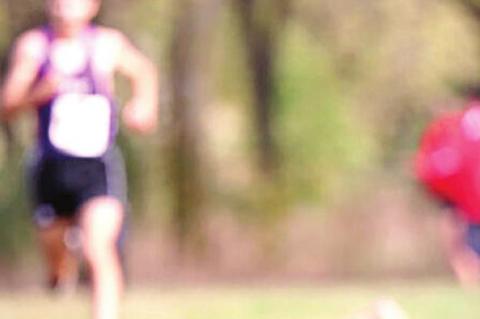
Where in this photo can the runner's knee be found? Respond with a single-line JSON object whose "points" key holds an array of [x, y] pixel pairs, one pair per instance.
{"points": [[101, 221]]}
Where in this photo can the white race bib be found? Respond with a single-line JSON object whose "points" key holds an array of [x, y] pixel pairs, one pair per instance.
{"points": [[80, 124]]}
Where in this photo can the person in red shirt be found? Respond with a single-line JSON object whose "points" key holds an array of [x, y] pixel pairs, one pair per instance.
{"points": [[448, 165]]}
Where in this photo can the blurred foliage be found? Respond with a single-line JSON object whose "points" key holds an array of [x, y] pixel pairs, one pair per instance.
{"points": [[352, 84], [312, 104]]}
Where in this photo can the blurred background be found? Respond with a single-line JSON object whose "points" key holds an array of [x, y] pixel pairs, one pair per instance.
{"points": [[287, 130]]}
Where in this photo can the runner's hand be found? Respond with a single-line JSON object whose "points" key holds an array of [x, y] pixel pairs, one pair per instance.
{"points": [[140, 118]]}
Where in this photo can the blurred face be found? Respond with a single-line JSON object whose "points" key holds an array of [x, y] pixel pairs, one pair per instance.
{"points": [[72, 12]]}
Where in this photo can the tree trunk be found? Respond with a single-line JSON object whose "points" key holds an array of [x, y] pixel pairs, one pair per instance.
{"points": [[262, 23], [189, 62]]}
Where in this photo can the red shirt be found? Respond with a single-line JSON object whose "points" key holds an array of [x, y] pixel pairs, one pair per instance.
{"points": [[448, 159]]}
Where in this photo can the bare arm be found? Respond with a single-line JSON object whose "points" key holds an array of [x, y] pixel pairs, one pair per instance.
{"points": [[140, 113], [17, 93]]}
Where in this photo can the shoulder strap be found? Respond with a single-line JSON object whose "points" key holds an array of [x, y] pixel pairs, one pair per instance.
{"points": [[48, 33], [89, 38]]}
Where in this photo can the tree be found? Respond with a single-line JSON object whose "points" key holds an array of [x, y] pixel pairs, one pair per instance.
{"points": [[262, 22], [189, 55]]}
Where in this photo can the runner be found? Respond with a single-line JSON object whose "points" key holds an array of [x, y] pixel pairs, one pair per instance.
{"points": [[448, 164], [64, 71]]}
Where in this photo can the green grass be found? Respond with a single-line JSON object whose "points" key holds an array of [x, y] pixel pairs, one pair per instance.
{"points": [[420, 301]]}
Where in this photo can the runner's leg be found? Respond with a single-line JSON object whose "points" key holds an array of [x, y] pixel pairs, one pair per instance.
{"points": [[100, 221], [61, 263], [462, 258]]}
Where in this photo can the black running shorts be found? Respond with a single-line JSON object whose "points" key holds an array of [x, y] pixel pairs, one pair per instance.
{"points": [[67, 183], [58, 187]]}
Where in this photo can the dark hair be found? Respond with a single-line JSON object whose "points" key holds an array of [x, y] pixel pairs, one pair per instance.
{"points": [[472, 91], [467, 89]]}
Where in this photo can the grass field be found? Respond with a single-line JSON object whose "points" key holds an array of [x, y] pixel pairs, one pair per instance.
{"points": [[420, 301]]}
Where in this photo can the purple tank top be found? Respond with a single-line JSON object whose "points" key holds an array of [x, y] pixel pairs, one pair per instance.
{"points": [[81, 119]]}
